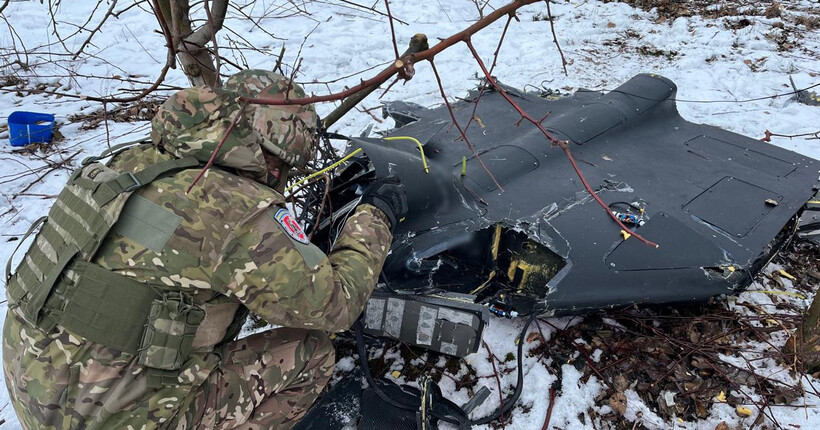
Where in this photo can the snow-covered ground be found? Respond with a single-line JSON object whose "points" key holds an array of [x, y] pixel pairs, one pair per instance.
{"points": [[716, 63]]}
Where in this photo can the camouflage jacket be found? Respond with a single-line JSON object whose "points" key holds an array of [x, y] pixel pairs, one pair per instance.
{"points": [[228, 249]]}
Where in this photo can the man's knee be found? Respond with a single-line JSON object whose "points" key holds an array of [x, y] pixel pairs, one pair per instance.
{"points": [[322, 355], [298, 354]]}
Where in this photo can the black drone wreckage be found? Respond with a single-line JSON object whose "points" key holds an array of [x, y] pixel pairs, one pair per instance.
{"points": [[526, 239]]}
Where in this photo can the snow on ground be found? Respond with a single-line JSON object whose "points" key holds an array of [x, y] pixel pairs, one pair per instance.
{"points": [[605, 44]]}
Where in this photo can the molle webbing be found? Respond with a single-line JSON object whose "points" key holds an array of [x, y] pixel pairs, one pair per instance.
{"points": [[100, 305], [55, 284]]}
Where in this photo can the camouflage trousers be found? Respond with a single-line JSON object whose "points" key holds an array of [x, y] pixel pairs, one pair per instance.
{"points": [[266, 381]]}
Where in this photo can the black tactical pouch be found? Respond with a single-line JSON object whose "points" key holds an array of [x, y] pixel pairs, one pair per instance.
{"points": [[169, 333]]}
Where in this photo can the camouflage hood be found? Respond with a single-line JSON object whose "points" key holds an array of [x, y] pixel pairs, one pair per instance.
{"points": [[194, 120]]}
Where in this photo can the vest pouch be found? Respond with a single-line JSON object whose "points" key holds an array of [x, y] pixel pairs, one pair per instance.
{"points": [[169, 333]]}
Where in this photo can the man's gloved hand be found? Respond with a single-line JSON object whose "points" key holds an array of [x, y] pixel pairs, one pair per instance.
{"points": [[389, 196]]}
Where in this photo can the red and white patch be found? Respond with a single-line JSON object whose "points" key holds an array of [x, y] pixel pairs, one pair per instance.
{"points": [[290, 225]]}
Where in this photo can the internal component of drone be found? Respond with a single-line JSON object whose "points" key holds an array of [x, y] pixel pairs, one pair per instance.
{"points": [[448, 323], [500, 310], [629, 218], [632, 214]]}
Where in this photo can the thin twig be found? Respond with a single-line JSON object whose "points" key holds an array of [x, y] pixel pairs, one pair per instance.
{"points": [[96, 29], [372, 9], [549, 410], [485, 85], [497, 381], [405, 61], [563, 144], [460, 130], [105, 120], [239, 114], [555, 38], [392, 30], [49, 170], [166, 31]]}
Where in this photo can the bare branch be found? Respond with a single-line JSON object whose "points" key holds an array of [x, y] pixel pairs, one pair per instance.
{"points": [[563, 144], [461, 130], [372, 9], [166, 31], [417, 43], [217, 14], [485, 85], [51, 8], [213, 30], [96, 29], [555, 38], [239, 114], [392, 30], [401, 65]]}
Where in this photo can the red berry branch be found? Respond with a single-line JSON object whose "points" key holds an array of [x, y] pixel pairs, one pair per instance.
{"points": [[563, 144]]}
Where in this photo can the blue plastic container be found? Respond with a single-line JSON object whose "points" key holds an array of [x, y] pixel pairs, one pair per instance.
{"points": [[30, 127]]}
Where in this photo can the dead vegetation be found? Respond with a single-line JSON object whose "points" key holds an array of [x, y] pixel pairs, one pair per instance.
{"points": [[673, 9], [679, 360], [785, 26], [142, 110]]}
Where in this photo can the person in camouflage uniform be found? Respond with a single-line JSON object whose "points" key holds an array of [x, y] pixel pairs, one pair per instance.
{"points": [[231, 245]]}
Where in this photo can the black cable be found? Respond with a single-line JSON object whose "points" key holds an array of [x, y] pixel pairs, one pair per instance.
{"points": [[519, 387], [501, 410], [360, 345], [632, 205]]}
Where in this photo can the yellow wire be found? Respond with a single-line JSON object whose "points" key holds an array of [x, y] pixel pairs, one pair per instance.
{"points": [[421, 148], [323, 171]]}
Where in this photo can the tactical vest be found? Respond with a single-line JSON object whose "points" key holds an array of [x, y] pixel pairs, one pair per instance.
{"points": [[57, 284]]}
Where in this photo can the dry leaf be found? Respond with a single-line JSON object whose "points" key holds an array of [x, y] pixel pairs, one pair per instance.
{"points": [[532, 337], [620, 382], [617, 402], [610, 24]]}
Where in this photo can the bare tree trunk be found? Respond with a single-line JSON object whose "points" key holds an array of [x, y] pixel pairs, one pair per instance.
{"points": [[806, 341], [189, 45]]}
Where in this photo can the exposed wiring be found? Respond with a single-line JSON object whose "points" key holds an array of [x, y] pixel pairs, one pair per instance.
{"points": [[325, 170], [421, 148], [594, 195], [501, 410]]}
